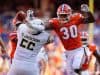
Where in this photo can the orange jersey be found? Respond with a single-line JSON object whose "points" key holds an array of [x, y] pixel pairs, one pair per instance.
{"points": [[92, 48], [13, 40], [68, 31]]}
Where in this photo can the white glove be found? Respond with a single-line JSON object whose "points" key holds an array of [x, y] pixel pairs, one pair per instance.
{"points": [[84, 8], [30, 15], [30, 12]]}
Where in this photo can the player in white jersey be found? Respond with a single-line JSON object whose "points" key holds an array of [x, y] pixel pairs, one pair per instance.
{"points": [[31, 37]]}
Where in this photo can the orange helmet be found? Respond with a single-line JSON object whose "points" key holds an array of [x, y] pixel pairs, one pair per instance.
{"points": [[64, 10]]}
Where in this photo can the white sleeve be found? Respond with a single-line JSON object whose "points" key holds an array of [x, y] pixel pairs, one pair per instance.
{"points": [[22, 27]]}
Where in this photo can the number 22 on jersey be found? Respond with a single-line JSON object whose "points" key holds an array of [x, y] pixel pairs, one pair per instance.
{"points": [[70, 32], [27, 44]]}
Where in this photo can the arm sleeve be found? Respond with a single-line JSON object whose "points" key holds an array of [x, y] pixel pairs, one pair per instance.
{"points": [[52, 24], [49, 25]]}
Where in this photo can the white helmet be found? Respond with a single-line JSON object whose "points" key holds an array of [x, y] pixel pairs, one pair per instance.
{"points": [[37, 25], [84, 37]]}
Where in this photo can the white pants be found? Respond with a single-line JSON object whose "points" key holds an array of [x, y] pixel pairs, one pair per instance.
{"points": [[19, 67], [74, 59]]}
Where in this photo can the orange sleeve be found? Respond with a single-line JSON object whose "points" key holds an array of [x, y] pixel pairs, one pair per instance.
{"points": [[92, 48], [77, 18]]}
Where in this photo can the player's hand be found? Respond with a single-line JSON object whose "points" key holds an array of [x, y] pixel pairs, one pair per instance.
{"points": [[84, 8], [30, 12], [30, 15]]}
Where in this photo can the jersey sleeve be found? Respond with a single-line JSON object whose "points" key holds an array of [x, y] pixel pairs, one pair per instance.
{"points": [[77, 18], [92, 47], [21, 28]]}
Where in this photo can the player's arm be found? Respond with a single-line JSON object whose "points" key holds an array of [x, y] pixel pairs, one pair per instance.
{"points": [[88, 17], [50, 24], [42, 59], [97, 55], [42, 66]]}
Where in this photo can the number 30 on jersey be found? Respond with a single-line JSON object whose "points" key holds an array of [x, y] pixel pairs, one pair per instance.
{"points": [[70, 32]]}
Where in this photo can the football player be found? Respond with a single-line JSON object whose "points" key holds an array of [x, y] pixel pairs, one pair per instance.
{"points": [[66, 26], [94, 51], [30, 40], [18, 19], [13, 35], [12, 43]]}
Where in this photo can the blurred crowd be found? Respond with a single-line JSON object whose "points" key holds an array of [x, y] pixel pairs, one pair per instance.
{"points": [[8, 9]]}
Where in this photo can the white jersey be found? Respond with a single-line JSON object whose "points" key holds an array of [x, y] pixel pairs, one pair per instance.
{"points": [[29, 45]]}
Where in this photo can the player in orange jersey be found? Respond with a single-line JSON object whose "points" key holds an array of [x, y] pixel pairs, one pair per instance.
{"points": [[92, 47], [94, 51], [66, 26]]}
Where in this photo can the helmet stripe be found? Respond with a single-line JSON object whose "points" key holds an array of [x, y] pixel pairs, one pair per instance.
{"points": [[63, 7]]}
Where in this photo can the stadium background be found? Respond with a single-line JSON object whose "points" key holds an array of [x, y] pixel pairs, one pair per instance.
{"points": [[44, 9]]}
